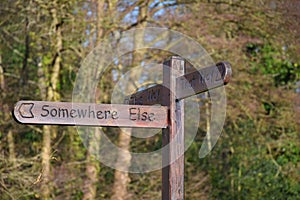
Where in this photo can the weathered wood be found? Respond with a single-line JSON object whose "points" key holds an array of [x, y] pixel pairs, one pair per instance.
{"points": [[187, 85], [85, 114], [203, 80], [150, 96], [169, 116], [173, 135]]}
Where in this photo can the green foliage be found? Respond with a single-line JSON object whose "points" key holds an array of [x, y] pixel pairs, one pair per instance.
{"points": [[274, 62], [258, 155], [244, 168], [288, 153]]}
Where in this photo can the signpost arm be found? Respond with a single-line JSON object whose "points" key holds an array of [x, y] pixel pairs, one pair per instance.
{"points": [[173, 135]]}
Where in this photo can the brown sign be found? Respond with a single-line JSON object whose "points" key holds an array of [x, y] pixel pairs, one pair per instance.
{"points": [[149, 96], [203, 80], [88, 114], [186, 85]]}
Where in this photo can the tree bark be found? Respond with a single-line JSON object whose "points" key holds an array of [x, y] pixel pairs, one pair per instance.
{"points": [[2, 87], [10, 137], [51, 95], [46, 154], [208, 121], [54, 79], [2, 80], [121, 178], [92, 165], [24, 71], [11, 147]]}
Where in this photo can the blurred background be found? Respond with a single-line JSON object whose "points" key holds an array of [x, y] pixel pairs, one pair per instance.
{"points": [[42, 45]]}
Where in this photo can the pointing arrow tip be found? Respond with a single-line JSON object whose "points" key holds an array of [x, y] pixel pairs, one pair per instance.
{"points": [[25, 110]]}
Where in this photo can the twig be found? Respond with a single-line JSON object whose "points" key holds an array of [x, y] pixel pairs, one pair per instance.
{"points": [[6, 190], [274, 161], [59, 140]]}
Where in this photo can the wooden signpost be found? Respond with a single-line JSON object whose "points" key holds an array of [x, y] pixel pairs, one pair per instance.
{"points": [[85, 114], [169, 115], [186, 85], [203, 80], [173, 135]]}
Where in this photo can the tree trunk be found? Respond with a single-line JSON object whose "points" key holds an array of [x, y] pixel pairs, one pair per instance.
{"points": [[92, 165], [7, 117], [46, 154], [10, 137], [24, 71], [121, 178], [2, 89], [52, 95], [11, 147], [2, 81], [208, 121], [54, 79]]}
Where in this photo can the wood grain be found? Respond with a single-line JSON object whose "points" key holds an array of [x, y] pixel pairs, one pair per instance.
{"points": [[186, 85], [203, 80], [150, 96], [88, 114], [173, 136]]}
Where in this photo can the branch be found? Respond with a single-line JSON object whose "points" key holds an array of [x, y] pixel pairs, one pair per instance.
{"points": [[59, 140], [128, 10], [144, 19], [18, 77], [35, 128], [11, 36], [274, 161], [6, 190], [163, 6]]}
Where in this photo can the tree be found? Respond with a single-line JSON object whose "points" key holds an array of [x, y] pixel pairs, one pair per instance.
{"points": [[121, 178], [42, 45]]}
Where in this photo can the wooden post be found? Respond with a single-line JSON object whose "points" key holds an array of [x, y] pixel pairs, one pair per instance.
{"points": [[176, 86], [173, 172], [40, 112]]}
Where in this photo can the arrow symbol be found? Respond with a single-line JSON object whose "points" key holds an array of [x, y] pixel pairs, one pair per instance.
{"points": [[25, 110]]}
